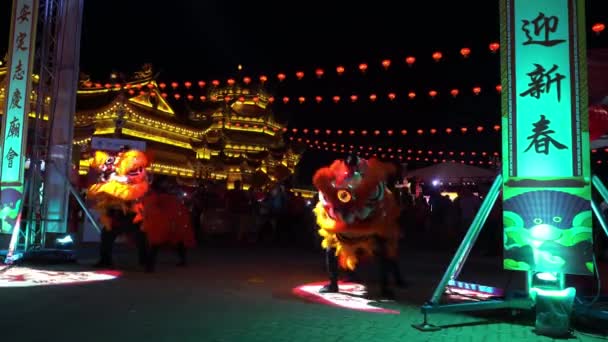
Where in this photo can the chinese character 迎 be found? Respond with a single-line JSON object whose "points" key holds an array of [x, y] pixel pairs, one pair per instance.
{"points": [[15, 99], [542, 25], [24, 14], [541, 138], [541, 81], [14, 128], [10, 155], [21, 41], [19, 72]]}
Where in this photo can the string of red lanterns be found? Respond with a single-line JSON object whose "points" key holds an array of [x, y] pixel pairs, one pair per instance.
{"points": [[388, 132]]}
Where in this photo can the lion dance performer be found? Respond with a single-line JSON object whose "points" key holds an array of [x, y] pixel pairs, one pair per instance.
{"points": [[357, 216], [121, 185]]}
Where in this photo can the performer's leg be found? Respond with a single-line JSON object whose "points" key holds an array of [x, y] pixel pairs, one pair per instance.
{"points": [[151, 259], [384, 266], [105, 248], [332, 268], [181, 254], [141, 241]]}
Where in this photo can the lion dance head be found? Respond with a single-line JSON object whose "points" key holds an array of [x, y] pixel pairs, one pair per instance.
{"points": [[122, 182], [356, 208]]}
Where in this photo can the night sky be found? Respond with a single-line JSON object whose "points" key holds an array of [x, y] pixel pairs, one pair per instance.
{"points": [[205, 40]]}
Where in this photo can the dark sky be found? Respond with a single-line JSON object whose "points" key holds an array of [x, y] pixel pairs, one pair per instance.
{"points": [[194, 40]]}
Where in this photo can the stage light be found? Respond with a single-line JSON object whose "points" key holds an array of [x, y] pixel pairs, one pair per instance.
{"points": [[66, 240]]}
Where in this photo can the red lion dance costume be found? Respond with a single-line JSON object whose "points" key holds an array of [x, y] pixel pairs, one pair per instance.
{"points": [[354, 208]]}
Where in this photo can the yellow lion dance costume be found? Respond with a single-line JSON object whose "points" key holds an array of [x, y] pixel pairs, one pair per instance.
{"points": [[355, 207], [123, 182]]}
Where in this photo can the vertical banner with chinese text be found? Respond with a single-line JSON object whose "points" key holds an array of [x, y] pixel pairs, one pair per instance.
{"points": [[16, 110], [546, 167]]}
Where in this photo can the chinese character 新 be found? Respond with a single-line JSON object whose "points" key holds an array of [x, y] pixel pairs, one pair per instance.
{"points": [[541, 138], [21, 41], [24, 14], [14, 128], [15, 99], [19, 72], [544, 26], [10, 155], [541, 80]]}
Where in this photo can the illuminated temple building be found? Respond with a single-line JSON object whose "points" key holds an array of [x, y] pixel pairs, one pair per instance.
{"points": [[226, 133]]}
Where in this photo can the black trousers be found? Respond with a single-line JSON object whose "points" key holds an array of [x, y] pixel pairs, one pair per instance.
{"points": [[387, 266], [109, 237], [153, 253], [331, 262]]}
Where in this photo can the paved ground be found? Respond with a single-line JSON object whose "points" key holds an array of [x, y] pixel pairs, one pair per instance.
{"points": [[232, 294]]}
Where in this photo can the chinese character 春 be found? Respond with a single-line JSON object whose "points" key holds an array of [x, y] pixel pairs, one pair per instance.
{"points": [[541, 81], [541, 25], [19, 72], [15, 99], [24, 14], [541, 139], [14, 128], [10, 155], [21, 41]]}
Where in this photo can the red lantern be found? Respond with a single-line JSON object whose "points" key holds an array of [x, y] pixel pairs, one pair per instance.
{"points": [[499, 88], [316, 131], [230, 82], [241, 99], [364, 132], [432, 93], [201, 84], [300, 75], [190, 97], [389, 132], [305, 131], [494, 47], [164, 95], [256, 99], [497, 128], [340, 70], [318, 99], [108, 85], [420, 132], [476, 90], [336, 99], [174, 85], [214, 98], [392, 96], [203, 98], [377, 132], [454, 92], [463, 129], [285, 99], [410, 60], [301, 99], [448, 130], [328, 132], [281, 77], [465, 52], [340, 133], [162, 86], [411, 95], [403, 132], [479, 129], [149, 85], [437, 56], [373, 97], [271, 99], [295, 130], [354, 98], [188, 84], [433, 131], [319, 72], [131, 92], [351, 132], [215, 83], [386, 63], [246, 80], [177, 96], [363, 67], [263, 78], [598, 28], [227, 98]]}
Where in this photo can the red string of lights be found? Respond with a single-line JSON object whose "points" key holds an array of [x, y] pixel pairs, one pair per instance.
{"points": [[386, 132]]}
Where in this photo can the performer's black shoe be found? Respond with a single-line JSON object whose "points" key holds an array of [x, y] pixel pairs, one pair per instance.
{"points": [[329, 288]]}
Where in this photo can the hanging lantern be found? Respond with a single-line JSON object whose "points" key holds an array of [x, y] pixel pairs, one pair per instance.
{"points": [[465, 52], [494, 47], [437, 56], [241, 99], [301, 99], [479, 129], [230, 82], [432, 93], [448, 130], [420, 132], [300, 75], [203, 98], [149, 85], [403, 131], [363, 67], [454, 92], [227, 98], [271, 99], [164, 95], [107, 85], [340, 133], [285, 99], [190, 97], [162, 86], [328, 132], [354, 98], [373, 97], [351, 132], [411, 95], [316, 131], [410, 60], [246, 80], [305, 131], [499, 88], [295, 130], [319, 72], [215, 83], [386, 63], [497, 128], [263, 79], [364, 132], [214, 98], [463, 129], [201, 84], [598, 28], [392, 96], [177, 96], [281, 77], [188, 84], [318, 99], [389, 132], [433, 131], [336, 99], [174, 85], [377, 132], [340, 70], [131, 92], [476, 90], [256, 99]]}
